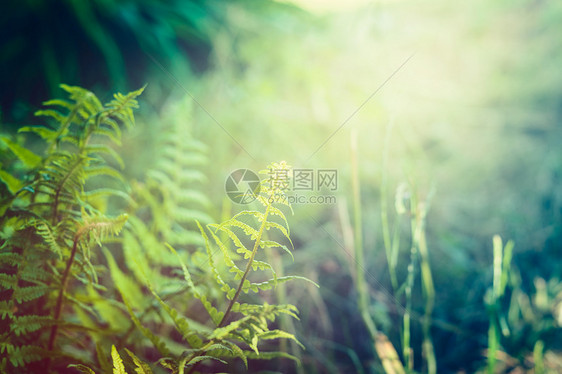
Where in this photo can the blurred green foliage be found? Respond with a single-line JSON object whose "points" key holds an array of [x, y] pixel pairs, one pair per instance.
{"points": [[103, 44], [475, 115]]}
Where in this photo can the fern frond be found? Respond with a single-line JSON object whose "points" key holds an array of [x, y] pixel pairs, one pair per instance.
{"points": [[124, 283], [8, 281], [44, 132], [279, 334], [104, 149], [141, 366], [215, 315], [82, 98], [267, 285], [29, 159], [241, 248], [270, 356], [6, 309], [21, 355], [248, 230], [13, 184], [274, 244], [101, 227], [58, 117], [82, 368], [25, 294], [195, 360], [49, 234], [118, 366], [284, 231], [180, 322], [11, 259], [156, 341], [106, 192], [102, 170], [121, 107], [227, 259], [29, 323], [186, 274]]}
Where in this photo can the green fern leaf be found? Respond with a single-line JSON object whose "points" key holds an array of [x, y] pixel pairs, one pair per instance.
{"points": [[58, 117], [215, 315], [12, 259], [186, 274], [21, 355], [198, 359], [59, 102], [141, 366], [104, 170], [29, 323], [8, 281], [122, 106], [44, 132], [106, 192], [13, 184], [275, 211], [227, 259], [224, 286], [274, 244], [6, 309], [112, 135], [113, 127], [238, 352], [241, 248], [82, 368], [118, 367], [248, 230], [156, 341], [180, 322], [270, 356], [284, 231], [49, 235], [100, 227], [104, 149], [83, 97], [28, 158], [124, 283], [279, 334], [267, 285]]}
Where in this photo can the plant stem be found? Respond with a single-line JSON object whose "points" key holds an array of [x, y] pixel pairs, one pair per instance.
{"points": [[428, 288], [381, 345], [60, 298], [203, 350], [388, 243], [248, 267], [358, 239]]}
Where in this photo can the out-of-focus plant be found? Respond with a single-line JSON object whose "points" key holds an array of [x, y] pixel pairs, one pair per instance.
{"points": [[51, 220]]}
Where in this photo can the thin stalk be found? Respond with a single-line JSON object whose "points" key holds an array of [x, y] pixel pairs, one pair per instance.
{"points": [[407, 351], [382, 347], [60, 187], [248, 267], [202, 351], [497, 291], [429, 291], [389, 245], [64, 282], [358, 240], [285, 322]]}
